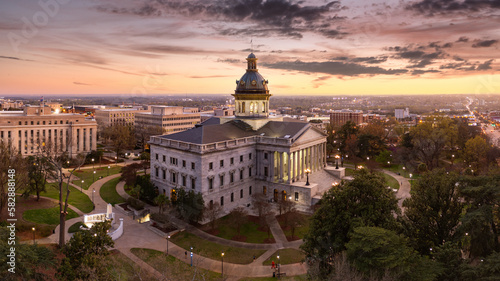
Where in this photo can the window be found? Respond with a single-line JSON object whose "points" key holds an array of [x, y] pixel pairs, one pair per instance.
{"points": [[210, 183], [231, 161], [221, 163], [184, 163], [250, 156], [193, 165], [174, 177], [241, 158], [264, 190], [232, 196], [183, 180], [241, 193], [266, 171], [265, 155], [211, 204], [164, 174], [164, 158], [221, 178], [250, 172], [231, 177], [241, 174], [193, 183], [211, 165], [156, 172], [173, 161], [222, 201], [156, 156], [296, 196], [250, 190]]}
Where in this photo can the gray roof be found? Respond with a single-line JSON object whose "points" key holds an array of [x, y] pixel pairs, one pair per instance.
{"points": [[234, 130]]}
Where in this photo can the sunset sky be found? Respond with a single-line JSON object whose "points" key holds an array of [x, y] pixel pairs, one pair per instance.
{"points": [[150, 47]]}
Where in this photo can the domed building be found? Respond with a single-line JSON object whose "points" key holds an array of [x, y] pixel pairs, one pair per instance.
{"points": [[228, 159]]}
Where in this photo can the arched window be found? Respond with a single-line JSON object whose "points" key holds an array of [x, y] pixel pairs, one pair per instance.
{"points": [[263, 107], [243, 107]]}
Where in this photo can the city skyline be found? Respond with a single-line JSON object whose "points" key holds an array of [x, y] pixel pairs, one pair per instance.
{"points": [[57, 47]]}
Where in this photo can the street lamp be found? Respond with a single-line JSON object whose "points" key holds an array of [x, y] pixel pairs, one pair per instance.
{"points": [[411, 175], [93, 191], [108, 169], [168, 237], [278, 267], [222, 256], [93, 167], [81, 187], [191, 256], [452, 158], [337, 161], [116, 161], [93, 177], [33, 235], [308, 171]]}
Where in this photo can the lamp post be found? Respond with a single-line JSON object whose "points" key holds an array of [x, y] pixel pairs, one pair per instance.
{"points": [[81, 187], [116, 161], [279, 276], [452, 158], [337, 161], [108, 169], [33, 235], [191, 256], [168, 237], [222, 256], [308, 171], [93, 167], [93, 177], [93, 191]]}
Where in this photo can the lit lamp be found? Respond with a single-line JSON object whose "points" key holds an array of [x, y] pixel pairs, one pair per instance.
{"points": [[93, 191], [307, 171], [93, 177], [81, 187], [108, 169], [93, 163], [222, 256], [168, 237], [337, 157], [33, 235], [278, 267], [116, 161], [191, 256]]}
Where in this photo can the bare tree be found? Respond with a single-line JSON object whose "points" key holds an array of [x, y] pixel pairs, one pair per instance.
{"points": [[260, 204], [212, 213], [238, 217], [12, 166]]}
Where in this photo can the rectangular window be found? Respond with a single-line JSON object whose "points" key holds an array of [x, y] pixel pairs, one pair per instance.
{"points": [[184, 163], [249, 172], [221, 178], [164, 174], [296, 196], [221, 163], [241, 193], [231, 161], [250, 190], [173, 161], [211, 165], [250, 156], [164, 158], [231, 177], [266, 171], [156, 156], [174, 177], [156, 172], [265, 155], [193, 166], [193, 183], [241, 174], [232, 196], [210, 183], [264, 190], [241, 158], [222, 201]]}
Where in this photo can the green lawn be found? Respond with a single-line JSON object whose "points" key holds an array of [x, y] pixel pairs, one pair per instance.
{"points": [[75, 227], [76, 198], [173, 268], [213, 250], [248, 230], [47, 216], [108, 192], [349, 172], [287, 256], [124, 269], [87, 174], [299, 231], [392, 182]]}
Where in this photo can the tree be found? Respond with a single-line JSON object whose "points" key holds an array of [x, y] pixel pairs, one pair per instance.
{"points": [[85, 253], [10, 160], [294, 219], [384, 158], [475, 152], [428, 143], [365, 201], [348, 131], [375, 250], [260, 204], [212, 213], [161, 200], [37, 176], [145, 158], [143, 134], [237, 218], [189, 205], [129, 174], [285, 205], [148, 190], [122, 137], [433, 211]]}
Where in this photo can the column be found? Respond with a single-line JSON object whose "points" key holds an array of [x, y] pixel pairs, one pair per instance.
{"points": [[271, 166], [302, 162], [289, 168], [324, 154], [282, 166], [63, 143]]}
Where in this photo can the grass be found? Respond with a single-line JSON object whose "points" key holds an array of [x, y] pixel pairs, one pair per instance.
{"points": [[87, 175], [172, 267], [76, 198], [349, 172], [75, 227], [249, 230], [213, 250], [108, 192], [392, 182], [287, 256], [287, 278], [300, 231], [123, 268], [47, 216]]}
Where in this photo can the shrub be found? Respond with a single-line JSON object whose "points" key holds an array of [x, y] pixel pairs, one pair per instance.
{"points": [[135, 203], [161, 218]]}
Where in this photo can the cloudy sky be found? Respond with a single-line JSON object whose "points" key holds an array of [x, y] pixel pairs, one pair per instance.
{"points": [[318, 47]]}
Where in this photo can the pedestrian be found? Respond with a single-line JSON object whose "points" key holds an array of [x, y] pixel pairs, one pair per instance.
{"points": [[273, 265], [253, 257], [185, 255]]}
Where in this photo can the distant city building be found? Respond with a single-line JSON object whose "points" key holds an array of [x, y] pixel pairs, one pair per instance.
{"points": [[6, 104], [117, 116], [340, 117], [401, 113], [36, 126], [224, 112], [229, 158], [172, 119]]}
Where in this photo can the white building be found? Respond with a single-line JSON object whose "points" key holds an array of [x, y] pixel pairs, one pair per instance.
{"points": [[228, 159], [172, 119], [402, 113]]}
